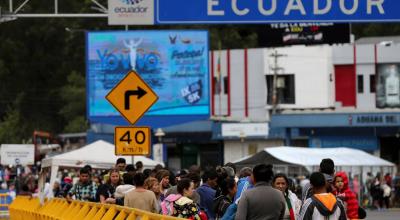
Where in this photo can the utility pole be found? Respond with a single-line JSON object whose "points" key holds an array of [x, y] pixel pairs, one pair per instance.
{"points": [[275, 70]]}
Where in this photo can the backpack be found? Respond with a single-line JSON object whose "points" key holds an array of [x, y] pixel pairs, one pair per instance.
{"points": [[167, 206]]}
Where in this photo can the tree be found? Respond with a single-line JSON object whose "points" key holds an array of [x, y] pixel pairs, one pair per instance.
{"points": [[375, 29], [73, 94], [12, 128]]}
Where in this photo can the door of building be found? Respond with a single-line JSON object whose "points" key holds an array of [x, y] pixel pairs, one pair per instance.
{"points": [[345, 85]]}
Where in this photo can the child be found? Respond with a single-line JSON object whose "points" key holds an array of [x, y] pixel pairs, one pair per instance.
{"points": [[344, 193]]}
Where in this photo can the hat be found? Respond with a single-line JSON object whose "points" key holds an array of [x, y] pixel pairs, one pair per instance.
{"points": [[67, 179]]}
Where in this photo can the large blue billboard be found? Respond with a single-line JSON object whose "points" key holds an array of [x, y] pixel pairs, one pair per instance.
{"points": [[173, 63], [273, 11]]}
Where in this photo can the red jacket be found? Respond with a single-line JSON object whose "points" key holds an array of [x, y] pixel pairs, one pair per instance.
{"points": [[347, 196]]}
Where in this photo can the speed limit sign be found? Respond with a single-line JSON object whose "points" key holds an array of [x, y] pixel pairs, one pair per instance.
{"points": [[132, 140]]}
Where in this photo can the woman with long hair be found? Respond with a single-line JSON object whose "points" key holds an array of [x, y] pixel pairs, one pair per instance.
{"points": [[228, 190], [153, 185], [179, 205], [293, 204], [105, 192]]}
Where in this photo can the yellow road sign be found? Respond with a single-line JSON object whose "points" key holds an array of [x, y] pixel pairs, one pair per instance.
{"points": [[132, 97], [132, 141]]}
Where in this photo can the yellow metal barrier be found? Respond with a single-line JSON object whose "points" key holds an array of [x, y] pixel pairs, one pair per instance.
{"points": [[60, 209], [5, 199]]}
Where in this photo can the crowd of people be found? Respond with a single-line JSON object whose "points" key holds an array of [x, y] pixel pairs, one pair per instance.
{"points": [[223, 193]]}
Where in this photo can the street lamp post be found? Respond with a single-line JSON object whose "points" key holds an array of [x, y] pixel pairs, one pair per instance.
{"points": [[159, 134]]}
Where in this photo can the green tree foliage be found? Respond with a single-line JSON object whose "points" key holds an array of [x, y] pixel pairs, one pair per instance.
{"points": [[42, 65], [12, 126], [375, 29], [73, 94]]}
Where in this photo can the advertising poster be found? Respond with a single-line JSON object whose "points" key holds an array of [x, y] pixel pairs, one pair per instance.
{"points": [[388, 86], [173, 63], [282, 34]]}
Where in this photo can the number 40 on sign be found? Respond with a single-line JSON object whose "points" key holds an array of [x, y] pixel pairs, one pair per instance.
{"points": [[132, 141]]}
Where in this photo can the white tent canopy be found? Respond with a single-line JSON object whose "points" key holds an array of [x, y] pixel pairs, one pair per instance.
{"points": [[312, 156], [345, 158], [99, 155]]}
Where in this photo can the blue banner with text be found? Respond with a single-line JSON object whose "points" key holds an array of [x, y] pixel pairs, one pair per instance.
{"points": [[272, 11]]}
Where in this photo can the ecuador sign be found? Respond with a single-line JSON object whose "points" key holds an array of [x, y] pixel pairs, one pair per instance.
{"points": [[272, 11]]}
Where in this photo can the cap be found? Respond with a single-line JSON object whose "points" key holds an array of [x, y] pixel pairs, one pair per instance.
{"points": [[67, 179]]}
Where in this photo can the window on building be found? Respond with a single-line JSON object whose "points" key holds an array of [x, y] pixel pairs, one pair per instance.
{"points": [[226, 85], [360, 83], [285, 89], [372, 84]]}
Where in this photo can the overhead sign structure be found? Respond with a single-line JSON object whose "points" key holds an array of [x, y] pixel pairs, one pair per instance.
{"points": [[132, 141], [271, 11], [132, 97], [17, 154]]}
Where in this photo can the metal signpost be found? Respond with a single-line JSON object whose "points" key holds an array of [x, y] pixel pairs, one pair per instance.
{"points": [[132, 97]]}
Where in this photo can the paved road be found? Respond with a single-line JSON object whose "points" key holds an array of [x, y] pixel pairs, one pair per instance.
{"points": [[392, 214]]}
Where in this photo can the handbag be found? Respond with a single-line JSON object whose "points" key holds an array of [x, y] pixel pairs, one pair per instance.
{"points": [[362, 214]]}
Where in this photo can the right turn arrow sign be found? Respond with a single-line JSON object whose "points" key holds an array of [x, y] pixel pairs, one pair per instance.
{"points": [[132, 108]]}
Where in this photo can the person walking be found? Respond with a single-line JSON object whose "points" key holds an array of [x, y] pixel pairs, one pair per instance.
{"points": [[179, 205], [141, 198], [261, 202], [195, 177], [386, 194], [152, 184], [343, 192], [163, 178], [84, 189], [321, 205], [105, 192], [293, 204], [376, 192], [327, 168], [221, 203], [207, 192], [123, 189]]}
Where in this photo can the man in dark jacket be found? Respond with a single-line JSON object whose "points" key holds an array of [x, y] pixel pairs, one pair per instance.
{"points": [[207, 192], [327, 168], [261, 202]]}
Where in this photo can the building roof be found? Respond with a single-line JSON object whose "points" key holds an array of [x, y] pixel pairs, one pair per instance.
{"points": [[384, 40], [310, 158]]}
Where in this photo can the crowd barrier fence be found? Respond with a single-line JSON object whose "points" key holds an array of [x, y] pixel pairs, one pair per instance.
{"points": [[5, 201], [60, 209]]}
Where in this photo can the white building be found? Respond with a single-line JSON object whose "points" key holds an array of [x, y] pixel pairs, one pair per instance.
{"points": [[339, 86]]}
